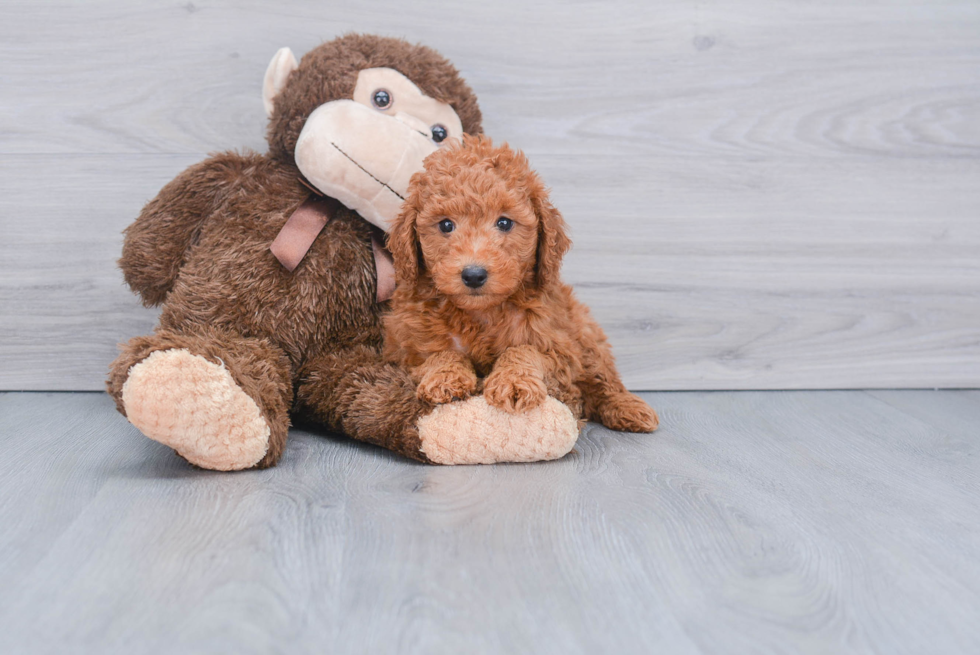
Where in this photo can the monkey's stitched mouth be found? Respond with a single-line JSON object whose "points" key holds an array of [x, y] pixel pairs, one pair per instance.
{"points": [[366, 171]]}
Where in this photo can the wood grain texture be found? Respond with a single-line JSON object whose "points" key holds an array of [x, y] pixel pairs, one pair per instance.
{"points": [[762, 195], [752, 522]]}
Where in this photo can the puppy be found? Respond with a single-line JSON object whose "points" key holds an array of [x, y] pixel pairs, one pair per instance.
{"points": [[477, 250]]}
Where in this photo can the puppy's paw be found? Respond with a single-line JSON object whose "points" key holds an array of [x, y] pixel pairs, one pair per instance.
{"points": [[628, 413], [514, 393], [445, 385]]}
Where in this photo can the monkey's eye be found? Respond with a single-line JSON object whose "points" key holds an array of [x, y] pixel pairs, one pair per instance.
{"points": [[439, 133], [504, 224], [446, 226], [381, 99]]}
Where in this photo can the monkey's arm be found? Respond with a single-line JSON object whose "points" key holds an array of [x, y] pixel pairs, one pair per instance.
{"points": [[352, 390], [156, 243]]}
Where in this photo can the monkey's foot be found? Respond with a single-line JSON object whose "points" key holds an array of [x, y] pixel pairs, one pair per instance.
{"points": [[194, 406], [473, 432]]}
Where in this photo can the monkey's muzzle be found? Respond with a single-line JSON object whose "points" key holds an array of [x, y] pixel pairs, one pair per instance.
{"points": [[362, 158]]}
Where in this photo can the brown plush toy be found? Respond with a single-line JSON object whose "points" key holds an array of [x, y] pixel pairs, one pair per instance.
{"points": [[272, 279]]}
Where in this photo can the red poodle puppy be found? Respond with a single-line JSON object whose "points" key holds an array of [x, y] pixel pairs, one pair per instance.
{"points": [[477, 251]]}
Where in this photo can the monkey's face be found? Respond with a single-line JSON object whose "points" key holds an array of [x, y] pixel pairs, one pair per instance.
{"points": [[363, 151]]}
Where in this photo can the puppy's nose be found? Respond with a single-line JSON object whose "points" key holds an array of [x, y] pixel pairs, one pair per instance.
{"points": [[474, 276]]}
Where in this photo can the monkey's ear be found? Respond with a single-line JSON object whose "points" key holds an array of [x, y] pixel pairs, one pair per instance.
{"points": [[282, 64]]}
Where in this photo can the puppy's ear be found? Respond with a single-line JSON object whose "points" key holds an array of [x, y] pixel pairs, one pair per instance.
{"points": [[403, 238], [553, 241]]}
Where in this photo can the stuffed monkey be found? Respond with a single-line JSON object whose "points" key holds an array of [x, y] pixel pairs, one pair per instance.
{"points": [[272, 277]]}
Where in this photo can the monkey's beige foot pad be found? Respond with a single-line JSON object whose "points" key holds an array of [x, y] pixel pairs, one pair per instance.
{"points": [[473, 432], [195, 407]]}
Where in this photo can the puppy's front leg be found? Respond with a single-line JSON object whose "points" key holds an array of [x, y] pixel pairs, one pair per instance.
{"points": [[516, 383], [445, 376]]}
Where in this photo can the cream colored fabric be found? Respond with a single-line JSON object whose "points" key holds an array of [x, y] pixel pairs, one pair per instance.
{"points": [[406, 98], [364, 155], [361, 157], [283, 63], [473, 432], [195, 407]]}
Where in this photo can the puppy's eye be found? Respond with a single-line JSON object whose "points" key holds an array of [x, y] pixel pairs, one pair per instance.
{"points": [[446, 226], [381, 99], [504, 224], [439, 133]]}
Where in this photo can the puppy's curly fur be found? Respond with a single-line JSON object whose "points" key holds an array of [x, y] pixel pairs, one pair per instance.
{"points": [[476, 206]]}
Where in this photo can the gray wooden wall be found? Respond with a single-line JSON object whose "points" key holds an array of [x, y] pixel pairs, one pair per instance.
{"points": [[762, 194]]}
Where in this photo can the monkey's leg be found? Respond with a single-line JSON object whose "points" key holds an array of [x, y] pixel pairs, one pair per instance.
{"points": [[355, 392], [220, 400]]}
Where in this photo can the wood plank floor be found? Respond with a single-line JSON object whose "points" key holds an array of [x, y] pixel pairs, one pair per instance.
{"points": [[753, 522]]}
